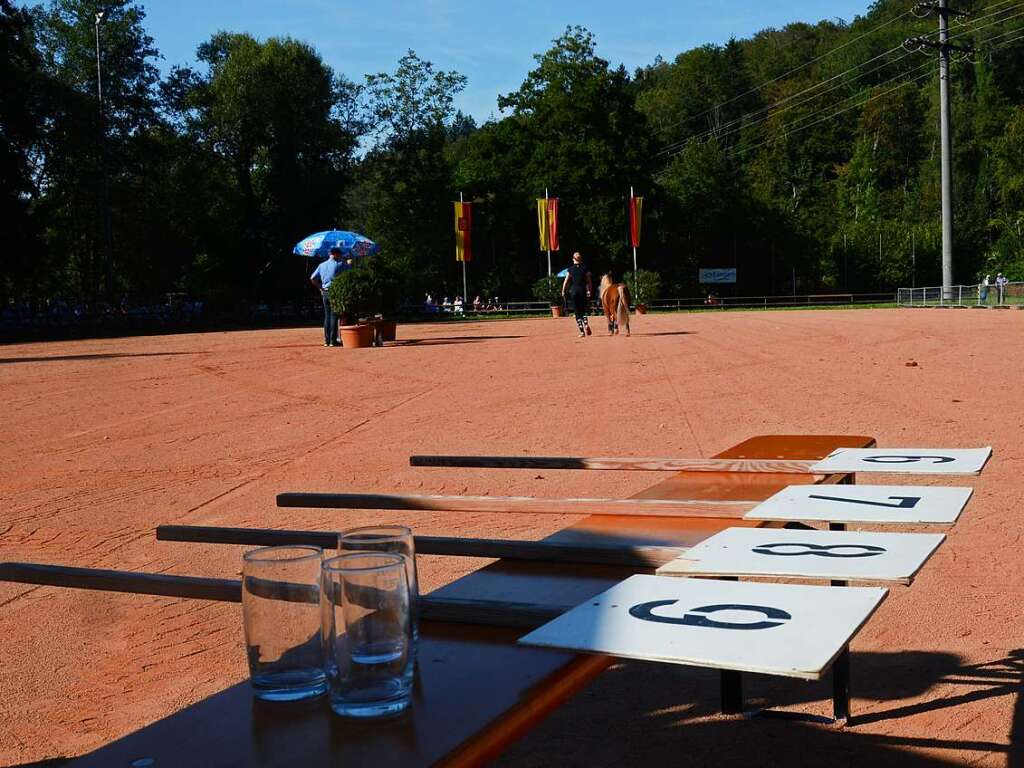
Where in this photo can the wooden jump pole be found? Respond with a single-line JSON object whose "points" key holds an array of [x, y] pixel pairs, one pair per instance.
{"points": [[491, 613], [777, 466], [520, 505], [631, 556]]}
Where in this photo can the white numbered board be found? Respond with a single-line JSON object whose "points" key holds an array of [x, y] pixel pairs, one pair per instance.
{"points": [[776, 629], [916, 461], [894, 504], [781, 553]]}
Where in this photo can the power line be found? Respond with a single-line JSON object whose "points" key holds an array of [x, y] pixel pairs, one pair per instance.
{"points": [[773, 111], [787, 132], [775, 79]]}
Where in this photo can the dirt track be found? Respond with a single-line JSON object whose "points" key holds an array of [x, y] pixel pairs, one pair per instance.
{"points": [[106, 439]]}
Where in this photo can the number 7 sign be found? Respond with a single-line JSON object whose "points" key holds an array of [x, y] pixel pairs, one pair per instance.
{"points": [[909, 504]]}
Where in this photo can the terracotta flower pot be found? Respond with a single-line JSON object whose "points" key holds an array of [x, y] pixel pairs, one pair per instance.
{"points": [[556, 311], [355, 336]]}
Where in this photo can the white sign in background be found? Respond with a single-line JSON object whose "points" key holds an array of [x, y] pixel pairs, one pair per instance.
{"points": [[709, 276], [791, 630], [895, 504], [849, 556], [917, 461]]}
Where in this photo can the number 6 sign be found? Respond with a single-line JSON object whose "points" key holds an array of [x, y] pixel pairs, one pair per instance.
{"points": [[918, 461]]}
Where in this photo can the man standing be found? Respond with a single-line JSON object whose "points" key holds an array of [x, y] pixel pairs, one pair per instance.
{"points": [[1001, 282], [321, 280]]}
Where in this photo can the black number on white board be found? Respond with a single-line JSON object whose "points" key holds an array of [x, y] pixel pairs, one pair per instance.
{"points": [[818, 550], [901, 459], [904, 502], [698, 617]]}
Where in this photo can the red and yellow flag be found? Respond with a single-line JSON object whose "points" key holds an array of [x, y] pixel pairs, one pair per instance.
{"points": [[636, 207], [463, 229], [547, 223]]}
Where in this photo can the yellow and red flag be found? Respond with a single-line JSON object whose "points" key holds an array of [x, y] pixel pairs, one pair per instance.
{"points": [[636, 207], [547, 223], [463, 231]]}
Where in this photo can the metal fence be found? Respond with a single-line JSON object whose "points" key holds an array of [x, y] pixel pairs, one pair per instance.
{"points": [[523, 308], [768, 302], [1012, 295]]}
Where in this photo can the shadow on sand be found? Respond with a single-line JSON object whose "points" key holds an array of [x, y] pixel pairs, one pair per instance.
{"points": [[659, 713]]}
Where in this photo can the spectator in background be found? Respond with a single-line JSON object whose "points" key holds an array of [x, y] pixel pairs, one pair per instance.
{"points": [[458, 305], [983, 290], [477, 304], [1001, 282], [446, 305]]}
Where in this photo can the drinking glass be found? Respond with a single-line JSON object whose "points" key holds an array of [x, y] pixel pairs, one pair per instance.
{"points": [[397, 539], [280, 612], [365, 612]]}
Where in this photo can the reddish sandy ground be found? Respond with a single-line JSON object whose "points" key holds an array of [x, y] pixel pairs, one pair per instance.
{"points": [[103, 440]]}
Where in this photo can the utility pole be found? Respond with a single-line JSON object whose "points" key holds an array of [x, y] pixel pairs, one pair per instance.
{"points": [[945, 49], [107, 228]]}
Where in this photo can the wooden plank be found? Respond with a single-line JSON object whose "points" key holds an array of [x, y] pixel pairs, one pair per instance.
{"points": [[489, 613], [777, 466], [508, 549], [520, 505]]}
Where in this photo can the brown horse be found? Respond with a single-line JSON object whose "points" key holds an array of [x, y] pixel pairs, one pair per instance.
{"points": [[615, 300]]}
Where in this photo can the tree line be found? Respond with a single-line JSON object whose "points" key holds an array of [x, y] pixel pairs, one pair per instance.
{"points": [[806, 157]]}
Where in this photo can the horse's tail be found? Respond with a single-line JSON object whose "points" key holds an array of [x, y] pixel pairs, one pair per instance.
{"points": [[622, 308]]}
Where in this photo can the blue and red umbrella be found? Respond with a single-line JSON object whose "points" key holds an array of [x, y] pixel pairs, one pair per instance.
{"points": [[319, 245]]}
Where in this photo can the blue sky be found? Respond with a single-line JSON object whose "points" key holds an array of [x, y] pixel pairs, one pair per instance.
{"points": [[490, 42]]}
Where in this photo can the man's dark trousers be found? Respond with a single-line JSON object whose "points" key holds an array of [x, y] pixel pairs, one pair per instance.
{"points": [[330, 323]]}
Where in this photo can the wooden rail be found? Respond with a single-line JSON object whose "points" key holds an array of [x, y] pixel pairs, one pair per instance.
{"points": [[778, 466], [492, 613], [520, 505], [641, 557]]}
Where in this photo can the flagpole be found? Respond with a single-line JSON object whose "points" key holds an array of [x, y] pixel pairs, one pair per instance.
{"points": [[465, 292], [631, 214], [549, 229]]}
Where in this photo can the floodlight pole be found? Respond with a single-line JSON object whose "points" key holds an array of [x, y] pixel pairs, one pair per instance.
{"points": [[947, 151]]}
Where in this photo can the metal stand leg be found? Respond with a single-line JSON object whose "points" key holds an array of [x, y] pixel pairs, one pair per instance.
{"points": [[837, 526], [732, 692], [841, 687]]}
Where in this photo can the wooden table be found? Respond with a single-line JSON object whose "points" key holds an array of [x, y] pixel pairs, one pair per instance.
{"points": [[476, 690]]}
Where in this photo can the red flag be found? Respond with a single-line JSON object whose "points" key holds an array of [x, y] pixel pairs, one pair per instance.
{"points": [[636, 206], [553, 222]]}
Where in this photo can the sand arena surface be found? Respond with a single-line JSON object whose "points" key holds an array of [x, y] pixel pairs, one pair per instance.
{"points": [[106, 439]]}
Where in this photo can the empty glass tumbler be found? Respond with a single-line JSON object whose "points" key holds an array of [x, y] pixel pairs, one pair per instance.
{"points": [[397, 539], [366, 624], [282, 619]]}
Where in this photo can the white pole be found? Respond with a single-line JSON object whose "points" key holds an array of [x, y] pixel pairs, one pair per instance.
{"points": [[549, 230], [465, 293], [631, 229]]}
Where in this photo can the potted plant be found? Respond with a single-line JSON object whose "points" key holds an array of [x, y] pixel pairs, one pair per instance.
{"points": [[644, 286], [360, 294], [549, 289]]}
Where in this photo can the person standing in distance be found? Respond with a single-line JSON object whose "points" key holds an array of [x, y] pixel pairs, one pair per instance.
{"points": [[321, 280], [1001, 282], [579, 287]]}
